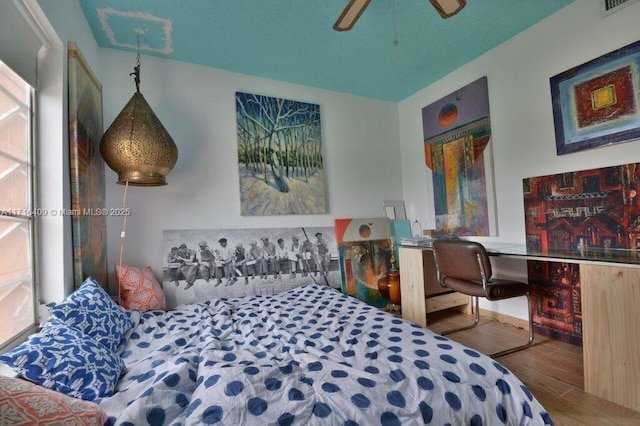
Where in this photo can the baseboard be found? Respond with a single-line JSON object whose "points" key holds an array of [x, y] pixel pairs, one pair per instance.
{"points": [[506, 319]]}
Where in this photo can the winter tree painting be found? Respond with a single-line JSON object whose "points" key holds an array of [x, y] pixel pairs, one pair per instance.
{"points": [[279, 156]]}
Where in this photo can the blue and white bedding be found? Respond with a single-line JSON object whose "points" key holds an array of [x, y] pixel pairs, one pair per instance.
{"points": [[308, 356]]}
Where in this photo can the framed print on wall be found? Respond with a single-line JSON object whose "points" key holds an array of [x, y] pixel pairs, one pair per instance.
{"points": [[87, 171], [596, 103], [280, 159], [458, 151]]}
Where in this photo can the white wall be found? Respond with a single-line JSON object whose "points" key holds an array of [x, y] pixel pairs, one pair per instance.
{"points": [[518, 73], [196, 105]]}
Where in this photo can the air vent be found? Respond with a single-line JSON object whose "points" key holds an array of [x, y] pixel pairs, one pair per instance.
{"points": [[610, 6]]}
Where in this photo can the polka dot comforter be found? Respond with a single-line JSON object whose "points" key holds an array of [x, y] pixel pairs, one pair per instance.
{"points": [[309, 356]]}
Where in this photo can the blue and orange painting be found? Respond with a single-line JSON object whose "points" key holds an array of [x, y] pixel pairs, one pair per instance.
{"points": [[457, 148], [364, 250]]}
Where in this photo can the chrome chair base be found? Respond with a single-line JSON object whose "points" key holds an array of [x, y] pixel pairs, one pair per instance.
{"points": [[477, 321]]}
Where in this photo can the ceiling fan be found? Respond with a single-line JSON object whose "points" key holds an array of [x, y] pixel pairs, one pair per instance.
{"points": [[351, 13]]}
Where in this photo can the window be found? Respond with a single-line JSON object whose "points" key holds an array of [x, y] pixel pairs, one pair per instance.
{"points": [[17, 283]]}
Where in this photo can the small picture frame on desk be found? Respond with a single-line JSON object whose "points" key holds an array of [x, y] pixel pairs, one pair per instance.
{"points": [[394, 209]]}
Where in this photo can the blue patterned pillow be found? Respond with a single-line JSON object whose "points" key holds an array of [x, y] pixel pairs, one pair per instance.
{"points": [[91, 310], [63, 359]]}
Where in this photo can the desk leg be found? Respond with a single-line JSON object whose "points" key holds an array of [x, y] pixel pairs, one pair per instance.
{"points": [[611, 333], [418, 281], [412, 278]]}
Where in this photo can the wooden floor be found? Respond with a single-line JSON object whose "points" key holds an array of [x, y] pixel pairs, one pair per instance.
{"points": [[552, 370]]}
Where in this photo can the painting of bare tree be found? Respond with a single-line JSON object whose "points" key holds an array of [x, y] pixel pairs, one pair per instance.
{"points": [[279, 156]]}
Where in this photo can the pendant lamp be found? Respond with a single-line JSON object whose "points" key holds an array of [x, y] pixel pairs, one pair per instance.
{"points": [[136, 145]]}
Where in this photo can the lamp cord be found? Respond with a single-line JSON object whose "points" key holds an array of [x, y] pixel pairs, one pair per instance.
{"points": [[136, 74], [122, 234]]}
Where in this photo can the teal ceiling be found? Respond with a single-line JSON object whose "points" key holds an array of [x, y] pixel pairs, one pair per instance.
{"points": [[395, 49]]}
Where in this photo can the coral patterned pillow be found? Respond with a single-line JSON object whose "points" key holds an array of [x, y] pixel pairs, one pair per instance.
{"points": [[139, 288], [25, 403]]}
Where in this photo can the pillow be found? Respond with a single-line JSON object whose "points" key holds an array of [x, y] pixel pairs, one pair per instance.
{"points": [[65, 360], [139, 289], [92, 311], [24, 403]]}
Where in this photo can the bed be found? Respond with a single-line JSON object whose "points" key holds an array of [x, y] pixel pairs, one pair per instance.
{"points": [[307, 356]]}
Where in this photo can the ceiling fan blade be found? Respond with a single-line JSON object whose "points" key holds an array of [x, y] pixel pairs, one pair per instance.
{"points": [[350, 15], [448, 8]]}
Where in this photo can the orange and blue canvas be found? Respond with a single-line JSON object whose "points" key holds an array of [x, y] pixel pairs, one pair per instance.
{"points": [[457, 147], [364, 253]]}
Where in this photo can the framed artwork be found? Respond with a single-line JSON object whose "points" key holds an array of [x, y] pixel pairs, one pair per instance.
{"points": [[394, 209], [280, 159], [203, 264], [365, 252], [458, 151], [596, 103], [594, 210], [87, 171]]}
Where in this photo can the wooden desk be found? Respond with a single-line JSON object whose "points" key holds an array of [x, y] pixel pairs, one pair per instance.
{"points": [[610, 296], [421, 292], [610, 291], [611, 332]]}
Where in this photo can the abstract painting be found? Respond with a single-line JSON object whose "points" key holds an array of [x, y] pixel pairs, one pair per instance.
{"points": [[596, 103], [202, 264], [365, 253], [593, 213], [280, 159], [556, 300], [87, 171], [595, 210], [458, 151]]}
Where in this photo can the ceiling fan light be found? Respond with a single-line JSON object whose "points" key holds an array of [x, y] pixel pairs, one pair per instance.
{"points": [[448, 8], [350, 15]]}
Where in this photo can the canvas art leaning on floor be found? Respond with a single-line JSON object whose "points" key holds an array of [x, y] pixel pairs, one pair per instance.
{"points": [[202, 264], [364, 250]]}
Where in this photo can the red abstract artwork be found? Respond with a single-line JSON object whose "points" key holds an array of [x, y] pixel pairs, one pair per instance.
{"points": [[596, 103], [605, 98]]}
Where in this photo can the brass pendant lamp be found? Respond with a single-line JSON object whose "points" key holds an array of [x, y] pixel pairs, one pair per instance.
{"points": [[136, 145]]}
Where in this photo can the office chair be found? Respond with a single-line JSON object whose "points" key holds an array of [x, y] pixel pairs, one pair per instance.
{"points": [[464, 266]]}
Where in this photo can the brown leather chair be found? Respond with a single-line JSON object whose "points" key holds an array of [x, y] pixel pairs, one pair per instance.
{"points": [[464, 266]]}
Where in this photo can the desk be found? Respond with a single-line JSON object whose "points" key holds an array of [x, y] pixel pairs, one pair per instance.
{"points": [[597, 256], [610, 288], [419, 287], [610, 297]]}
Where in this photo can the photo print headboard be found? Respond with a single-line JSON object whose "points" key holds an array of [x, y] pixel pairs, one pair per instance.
{"points": [[203, 264]]}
